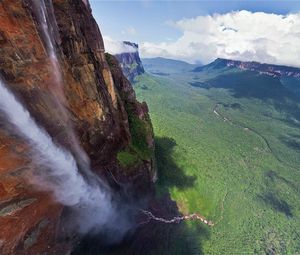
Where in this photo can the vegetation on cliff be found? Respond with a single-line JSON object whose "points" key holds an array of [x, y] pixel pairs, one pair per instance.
{"points": [[141, 147]]}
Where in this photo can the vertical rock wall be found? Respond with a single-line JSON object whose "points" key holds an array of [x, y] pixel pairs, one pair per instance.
{"points": [[108, 121]]}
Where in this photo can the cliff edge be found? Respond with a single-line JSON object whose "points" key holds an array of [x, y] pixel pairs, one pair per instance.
{"points": [[112, 127]]}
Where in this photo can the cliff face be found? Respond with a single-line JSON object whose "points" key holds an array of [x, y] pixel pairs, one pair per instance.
{"points": [[267, 69], [112, 127], [130, 62]]}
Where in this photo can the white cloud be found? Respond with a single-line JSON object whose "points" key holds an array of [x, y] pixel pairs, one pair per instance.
{"points": [[242, 35], [117, 47]]}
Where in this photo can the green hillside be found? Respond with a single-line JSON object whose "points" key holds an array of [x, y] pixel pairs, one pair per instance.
{"points": [[164, 67], [228, 147]]}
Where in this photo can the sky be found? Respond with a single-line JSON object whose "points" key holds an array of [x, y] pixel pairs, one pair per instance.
{"points": [[200, 31]]}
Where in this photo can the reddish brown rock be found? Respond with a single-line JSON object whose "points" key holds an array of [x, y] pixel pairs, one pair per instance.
{"points": [[100, 103]]}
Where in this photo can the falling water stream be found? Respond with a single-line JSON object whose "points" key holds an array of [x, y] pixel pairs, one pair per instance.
{"points": [[57, 88], [67, 175], [62, 163]]}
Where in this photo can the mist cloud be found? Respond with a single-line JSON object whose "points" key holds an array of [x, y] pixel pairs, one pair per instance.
{"points": [[241, 35], [117, 47]]}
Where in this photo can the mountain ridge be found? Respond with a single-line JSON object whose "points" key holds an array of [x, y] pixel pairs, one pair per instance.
{"points": [[262, 68]]}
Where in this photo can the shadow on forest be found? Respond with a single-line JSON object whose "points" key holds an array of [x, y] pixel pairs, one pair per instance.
{"points": [[292, 141], [153, 238], [272, 196], [249, 84], [272, 179], [169, 173], [277, 204], [156, 238], [199, 84]]}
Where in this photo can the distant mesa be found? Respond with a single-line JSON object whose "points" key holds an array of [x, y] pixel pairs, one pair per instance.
{"points": [[267, 69], [132, 65], [250, 79], [130, 61]]}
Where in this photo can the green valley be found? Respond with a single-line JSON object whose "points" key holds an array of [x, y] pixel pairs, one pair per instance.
{"points": [[228, 147]]}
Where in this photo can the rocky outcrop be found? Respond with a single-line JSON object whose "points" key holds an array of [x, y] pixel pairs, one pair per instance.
{"points": [[267, 69], [112, 127], [130, 61]]}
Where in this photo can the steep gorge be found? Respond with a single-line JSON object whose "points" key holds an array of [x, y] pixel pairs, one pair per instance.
{"points": [[111, 126]]}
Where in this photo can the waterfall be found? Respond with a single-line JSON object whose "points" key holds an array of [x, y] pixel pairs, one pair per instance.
{"points": [[66, 175], [47, 154], [57, 88], [58, 170]]}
